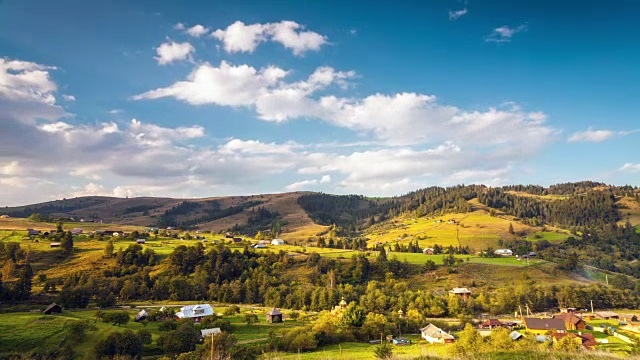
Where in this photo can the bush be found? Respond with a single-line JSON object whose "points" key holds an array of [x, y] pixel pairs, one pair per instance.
{"points": [[383, 351], [231, 310]]}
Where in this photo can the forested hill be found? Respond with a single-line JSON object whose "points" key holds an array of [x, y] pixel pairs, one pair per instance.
{"points": [[565, 205]]}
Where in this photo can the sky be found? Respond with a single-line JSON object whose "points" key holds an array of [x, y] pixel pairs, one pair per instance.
{"points": [[215, 98]]}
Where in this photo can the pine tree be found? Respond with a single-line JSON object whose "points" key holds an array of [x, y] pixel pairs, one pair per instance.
{"points": [[108, 249], [23, 286], [67, 242], [511, 231]]}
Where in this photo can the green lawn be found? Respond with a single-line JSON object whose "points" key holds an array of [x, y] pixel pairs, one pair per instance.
{"points": [[547, 235]]}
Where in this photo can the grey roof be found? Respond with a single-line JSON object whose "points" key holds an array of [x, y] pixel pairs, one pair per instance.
{"points": [[52, 306], [435, 332], [191, 311], [460, 291], [545, 324], [515, 335], [274, 311]]}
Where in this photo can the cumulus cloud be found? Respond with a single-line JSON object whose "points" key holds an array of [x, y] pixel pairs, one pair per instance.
{"points": [[455, 15], [504, 33], [325, 179], [299, 185], [197, 31], [172, 51], [66, 97], [239, 37]]}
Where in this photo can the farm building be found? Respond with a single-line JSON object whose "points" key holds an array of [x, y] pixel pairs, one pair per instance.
{"points": [[543, 325], [77, 231], [584, 339], [141, 315], [55, 244], [32, 232], [607, 315], [503, 252], [259, 246], [277, 242], [4, 216], [571, 321], [399, 341], [515, 336], [53, 309], [464, 293], [195, 312], [141, 241], [428, 251], [208, 332], [491, 324], [274, 316], [629, 318], [434, 334], [237, 239], [228, 236]]}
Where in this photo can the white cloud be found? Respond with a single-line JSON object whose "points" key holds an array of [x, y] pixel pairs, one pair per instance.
{"points": [[66, 97], [299, 185], [591, 135], [172, 51], [504, 33], [116, 111], [325, 179], [455, 15], [197, 31], [239, 37], [629, 167], [179, 26]]}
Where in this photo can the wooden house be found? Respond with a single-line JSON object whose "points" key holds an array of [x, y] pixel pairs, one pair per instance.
{"points": [[541, 326], [428, 251], [571, 321], [274, 316], [491, 324], [53, 309], [463, 293], [435, 335], [607, 315]]}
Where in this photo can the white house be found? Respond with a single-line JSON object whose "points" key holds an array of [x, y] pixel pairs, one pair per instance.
{"points": [[259, 246], [206, 332], [503, 252], [195, 312], [277, 242], [434, 334]]}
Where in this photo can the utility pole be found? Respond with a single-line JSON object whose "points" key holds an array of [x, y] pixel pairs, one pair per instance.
{"points": [[211, 346], [592, 306]]}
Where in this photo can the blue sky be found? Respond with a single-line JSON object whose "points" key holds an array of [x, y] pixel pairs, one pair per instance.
{"points": [[138, 98]]}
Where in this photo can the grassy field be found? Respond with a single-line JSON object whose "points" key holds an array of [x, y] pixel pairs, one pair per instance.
{"points": [[552, 236], [476, 229], [631, 213]]}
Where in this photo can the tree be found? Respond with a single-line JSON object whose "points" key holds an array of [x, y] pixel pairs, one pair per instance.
{"points": [[8, 269], [222, 347], [511, 231], [35, 217], [117, 318], [23, 285], [232, 310], [353, 315], [67, 242], [250, 318], [429, 265], [108, 249], [124, 343], [59, 227], [383, 351], [145, 336], [299, 339], [182, 339]]}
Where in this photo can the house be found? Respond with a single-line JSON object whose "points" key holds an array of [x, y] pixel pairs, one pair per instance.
{"points": [[141, 315], [568, 310], [277, 242], [55, 244], [503, 252], [571, 321], [228, 235], [515, 336], [76, 231], [491, 324], [537, 325], [584, 339], [452, 221], [607, 315], [237, 239], [141, 241], [274, 316], [209, 332], [53, 309], [629, 318], [428, 251], [32, 232], [259, 246], [195, 312], [464, 293], [4, 216], [434, 334]]}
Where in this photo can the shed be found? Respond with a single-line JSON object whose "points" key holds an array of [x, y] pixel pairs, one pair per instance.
{"points": [[607, 315], [237, 239], [55, 244], [515, 336], [629, 318], [428, 251], [140, 241], [400, 341], [277, 242], [32, 232], [141, 315], [274, 316], [53, 309]]}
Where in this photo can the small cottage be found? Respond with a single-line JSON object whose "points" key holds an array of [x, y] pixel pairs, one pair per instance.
{"points": [[195, 312], [141, 241], [463, 293], [277, 242], [434, 334], [491, 324], [55, 244], [428, 251], [274, 316], [53, 309], [141, 315], [571, 321]]}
